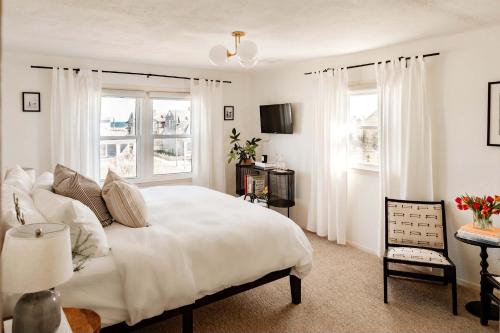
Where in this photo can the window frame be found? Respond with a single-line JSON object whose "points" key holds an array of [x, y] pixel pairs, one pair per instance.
{"points": [[366, 89], [170, 96], [144, 133]]}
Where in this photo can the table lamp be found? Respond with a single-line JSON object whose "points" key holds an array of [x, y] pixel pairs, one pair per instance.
{"points": [[35, 259]]}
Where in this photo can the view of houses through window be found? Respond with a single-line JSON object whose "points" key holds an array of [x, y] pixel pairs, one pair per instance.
{"points": [[127, 151], [118, 146], [172, 136], [364, 146]]}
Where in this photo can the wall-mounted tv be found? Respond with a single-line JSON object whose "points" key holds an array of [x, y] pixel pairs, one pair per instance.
{"points": [[276, 118]]}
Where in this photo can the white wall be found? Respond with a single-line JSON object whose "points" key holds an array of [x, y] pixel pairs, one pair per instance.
{"points": [[458, 93], [25, 138]]}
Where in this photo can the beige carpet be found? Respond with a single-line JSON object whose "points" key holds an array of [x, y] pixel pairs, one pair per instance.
{"points": [[343, 293]]}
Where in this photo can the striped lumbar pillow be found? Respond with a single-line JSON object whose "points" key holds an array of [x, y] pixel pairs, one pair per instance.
{"points": [[71, 184], [124, 201]]}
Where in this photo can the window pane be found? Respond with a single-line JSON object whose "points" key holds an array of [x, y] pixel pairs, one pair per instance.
{"points": [[171, 117], [119, 156], [363, 109], [118, 116], [364, 146], [364, 133], [172, 156]]}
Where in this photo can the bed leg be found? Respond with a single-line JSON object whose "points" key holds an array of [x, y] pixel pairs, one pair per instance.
{"points": [[187, 321], [295, 289]]}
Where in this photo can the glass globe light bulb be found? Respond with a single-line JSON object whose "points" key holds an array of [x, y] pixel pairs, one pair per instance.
{"points": [[218, 55], [247, 50], [249, 63]]}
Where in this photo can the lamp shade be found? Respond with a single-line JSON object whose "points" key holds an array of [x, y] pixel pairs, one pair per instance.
{"points": [[32, 263], [218, 55]]}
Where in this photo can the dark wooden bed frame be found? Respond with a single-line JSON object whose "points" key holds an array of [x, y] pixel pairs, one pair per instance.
{"points": [[187, 310]]}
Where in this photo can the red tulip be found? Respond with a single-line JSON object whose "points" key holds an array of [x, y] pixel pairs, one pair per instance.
{"points": [[458, 200], [466, 199], [465, 207], [476, 205], [490, 199], [461, 207], [495, 211]]}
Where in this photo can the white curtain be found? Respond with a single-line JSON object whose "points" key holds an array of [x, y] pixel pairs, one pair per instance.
{"points": [[328, 202], [208, 137], [74, 120], [405, 134]]}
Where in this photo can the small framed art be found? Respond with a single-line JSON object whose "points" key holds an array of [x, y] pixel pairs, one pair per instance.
{"points": [[228, 112], [493, 113], [31, 101]]}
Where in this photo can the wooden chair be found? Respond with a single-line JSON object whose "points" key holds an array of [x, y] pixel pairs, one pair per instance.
{"points": [[492, 282], [415, 234]]}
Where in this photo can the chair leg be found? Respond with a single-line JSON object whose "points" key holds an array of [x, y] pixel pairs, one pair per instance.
{"points": [[295, 289], [486, 289], [187, 321], [453, 275], [385, 281]]}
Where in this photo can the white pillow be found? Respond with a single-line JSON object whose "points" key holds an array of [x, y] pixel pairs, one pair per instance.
{"points": [[44, 181], [19, 178], [26, 205], [59, 209]]}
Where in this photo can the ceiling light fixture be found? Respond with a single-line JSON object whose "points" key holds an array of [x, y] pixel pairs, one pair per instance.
{"points": [[245, 50]]}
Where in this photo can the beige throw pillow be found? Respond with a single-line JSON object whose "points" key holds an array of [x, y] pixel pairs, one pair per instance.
{"points": [[71, 184], [124, 201]]}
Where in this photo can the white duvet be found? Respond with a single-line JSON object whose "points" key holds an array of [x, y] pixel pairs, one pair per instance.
{"points": [[200, 242]]}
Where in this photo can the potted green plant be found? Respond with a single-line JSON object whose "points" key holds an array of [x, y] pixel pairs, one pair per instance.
{"points": [[245, 154]]}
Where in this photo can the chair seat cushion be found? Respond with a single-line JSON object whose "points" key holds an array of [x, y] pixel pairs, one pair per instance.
{"points": [[418, 255]]}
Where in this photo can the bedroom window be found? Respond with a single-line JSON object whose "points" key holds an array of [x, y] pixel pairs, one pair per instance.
{"points": [[145, 136], [171, 135], [118, 135], [364, 145]]}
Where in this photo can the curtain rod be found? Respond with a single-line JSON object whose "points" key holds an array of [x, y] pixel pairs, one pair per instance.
{"points": [[134, 73], [372, 63]]}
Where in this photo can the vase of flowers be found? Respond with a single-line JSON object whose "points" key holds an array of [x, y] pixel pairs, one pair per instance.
{"points": [[482, 208]]}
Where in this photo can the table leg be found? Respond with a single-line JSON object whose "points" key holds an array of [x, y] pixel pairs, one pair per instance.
{"points": [[474, 307]]}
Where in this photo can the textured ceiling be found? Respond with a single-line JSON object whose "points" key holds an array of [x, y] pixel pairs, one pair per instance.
{"points": [[181, 32]]}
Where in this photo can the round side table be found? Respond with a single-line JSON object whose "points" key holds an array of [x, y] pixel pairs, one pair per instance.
{"points": [[474, 307], [83, 320]]}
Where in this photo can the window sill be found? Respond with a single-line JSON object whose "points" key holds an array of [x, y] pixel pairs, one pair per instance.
{"points": [[184, 178], [369, 168]]}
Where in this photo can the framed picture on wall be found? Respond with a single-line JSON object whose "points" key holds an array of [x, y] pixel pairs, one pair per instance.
{"points": [[31, 101], [228, 112], [494, 113]]}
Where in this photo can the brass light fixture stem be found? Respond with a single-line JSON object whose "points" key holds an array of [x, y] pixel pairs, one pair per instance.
{"points": [[237, 37]]}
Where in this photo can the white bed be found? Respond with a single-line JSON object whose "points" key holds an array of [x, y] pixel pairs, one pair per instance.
{"points": [[199, 242]]}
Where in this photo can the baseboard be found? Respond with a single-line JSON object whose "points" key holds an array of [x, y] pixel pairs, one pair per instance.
{"points": [[468, 284], [460, 282], [362, 248]]}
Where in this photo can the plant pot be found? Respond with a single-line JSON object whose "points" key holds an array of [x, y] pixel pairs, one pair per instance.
{"points": [[247, 161], [482, 222]]}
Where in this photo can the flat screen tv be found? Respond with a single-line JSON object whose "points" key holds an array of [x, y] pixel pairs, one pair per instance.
{"points": [[276, 118]]}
